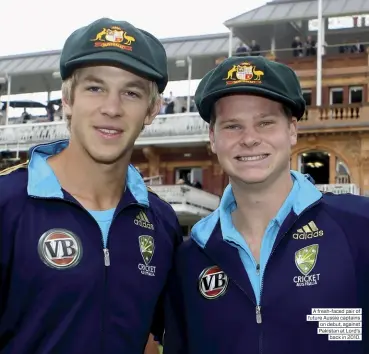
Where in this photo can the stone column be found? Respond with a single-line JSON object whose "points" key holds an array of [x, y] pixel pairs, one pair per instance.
{"points": [[153, 157]]}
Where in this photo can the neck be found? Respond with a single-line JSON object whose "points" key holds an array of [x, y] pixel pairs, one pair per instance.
{"points": [[256, 206], [96, 186]]}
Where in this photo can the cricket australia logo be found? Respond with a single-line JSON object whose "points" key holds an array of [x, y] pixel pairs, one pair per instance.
{"points": [[305, 260], [147, 248]]}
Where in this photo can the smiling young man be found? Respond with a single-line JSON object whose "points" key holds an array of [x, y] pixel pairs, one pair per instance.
{"points": [[254, 270], [85, 248]]}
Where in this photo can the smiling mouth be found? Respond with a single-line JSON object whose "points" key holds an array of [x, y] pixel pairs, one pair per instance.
{"points": [[252, 158], [109, 132]]}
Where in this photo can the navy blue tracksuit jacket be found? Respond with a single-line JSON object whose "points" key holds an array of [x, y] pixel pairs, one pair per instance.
{"points": [[70, 285], [317, 257]]}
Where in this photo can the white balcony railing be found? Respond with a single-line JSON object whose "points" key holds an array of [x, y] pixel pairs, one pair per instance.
{"points": [[185, 128], [339, 188], [166, 129], [154, 180], [188, 198]]}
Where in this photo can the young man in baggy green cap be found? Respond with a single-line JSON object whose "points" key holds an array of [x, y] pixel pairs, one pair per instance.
{"points": [[259, 274]]}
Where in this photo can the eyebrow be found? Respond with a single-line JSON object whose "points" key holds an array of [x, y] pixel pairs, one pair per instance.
{"points": [[92, 78], [138, 84], [264, 115], [129, 84], [230, 120], [237, 120]]}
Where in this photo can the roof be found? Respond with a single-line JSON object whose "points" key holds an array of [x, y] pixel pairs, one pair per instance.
{"points": [[212, 45], [196, 46], [284, 10], [32, 63]]}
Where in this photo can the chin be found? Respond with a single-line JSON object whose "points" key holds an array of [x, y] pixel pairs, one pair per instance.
{"points": [[106, 159], [256, 176], [252, 179]]}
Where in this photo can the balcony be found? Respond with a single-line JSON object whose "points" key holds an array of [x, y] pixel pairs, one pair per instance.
{"points": [[187, 200], [339, 188], [187, 128], [341, 64], [337, 118], [166, 129]]}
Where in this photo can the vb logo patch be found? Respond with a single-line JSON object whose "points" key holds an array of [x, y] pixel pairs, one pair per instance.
{"points": [[60, 249], [213, 282], [147, 249], [305, 260]]}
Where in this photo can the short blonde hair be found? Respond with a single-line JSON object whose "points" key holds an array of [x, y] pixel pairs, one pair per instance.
{"points": [[69, 86]]}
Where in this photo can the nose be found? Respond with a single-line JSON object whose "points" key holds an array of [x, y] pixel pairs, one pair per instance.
{"points": [[250, 138], [112, 105]]}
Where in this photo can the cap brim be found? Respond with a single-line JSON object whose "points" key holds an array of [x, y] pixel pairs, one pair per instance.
{"points": [[126, 62]]}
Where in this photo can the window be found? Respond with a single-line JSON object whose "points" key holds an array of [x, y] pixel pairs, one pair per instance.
{"points": [[356, 94], [336, 95], [306, 93], [190, 175], [316, 164]]}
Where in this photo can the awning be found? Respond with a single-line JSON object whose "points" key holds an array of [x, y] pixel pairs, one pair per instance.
{"points": [[299, 10], [34, 72], [196, 46], [24, 104]]}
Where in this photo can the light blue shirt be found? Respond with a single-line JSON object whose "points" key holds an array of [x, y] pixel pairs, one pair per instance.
{"points": [[230, 234], [43, 183]]}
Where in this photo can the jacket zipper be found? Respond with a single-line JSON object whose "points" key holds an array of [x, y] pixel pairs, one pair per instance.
{"points": [[105, 246], [107, 264], [258, 306]]}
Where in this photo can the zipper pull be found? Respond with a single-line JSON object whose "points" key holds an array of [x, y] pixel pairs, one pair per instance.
{"points": [[258, 314], [106, 257], [258, 269]]}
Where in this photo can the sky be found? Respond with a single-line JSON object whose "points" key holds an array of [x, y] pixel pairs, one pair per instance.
{"points": [[39, 25]]}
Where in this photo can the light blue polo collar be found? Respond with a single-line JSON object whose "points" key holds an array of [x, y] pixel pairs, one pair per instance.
{"points": [[43, 183]]}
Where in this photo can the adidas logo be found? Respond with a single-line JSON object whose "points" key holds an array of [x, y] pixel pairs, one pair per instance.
{"points": [[308, 231], [142, 220]]}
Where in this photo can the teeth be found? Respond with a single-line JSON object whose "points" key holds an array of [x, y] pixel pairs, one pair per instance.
{"points": [[109, 131], [252, 158]]}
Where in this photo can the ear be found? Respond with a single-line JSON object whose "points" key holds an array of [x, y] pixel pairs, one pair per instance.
{"points": [[153, 112], [67, 107], [293, 131], [212, 140]]}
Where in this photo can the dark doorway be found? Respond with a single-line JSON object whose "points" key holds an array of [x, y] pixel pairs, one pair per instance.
{"points": [[316, 164]]}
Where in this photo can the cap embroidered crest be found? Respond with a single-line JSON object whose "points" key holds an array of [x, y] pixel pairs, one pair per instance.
{"points": [[114, 37], [244, 72]]}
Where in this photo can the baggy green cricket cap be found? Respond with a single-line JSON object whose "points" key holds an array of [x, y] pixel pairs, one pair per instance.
{"points": [[107, 41], [251, 75]]}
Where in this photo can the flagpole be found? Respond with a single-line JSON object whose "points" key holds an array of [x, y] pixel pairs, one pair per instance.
{"points": [[320, 41], [230, 42]]}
